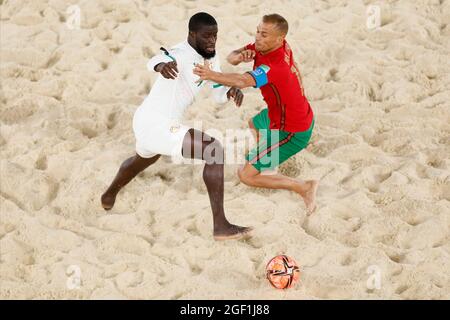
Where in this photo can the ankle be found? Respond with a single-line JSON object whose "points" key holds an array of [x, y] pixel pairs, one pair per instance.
{"points": [[302, 187], [113, 190], [221, 224]]}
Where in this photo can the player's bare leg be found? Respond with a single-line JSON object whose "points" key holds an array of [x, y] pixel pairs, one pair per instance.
{"points": [[198, 145], [306, 189], [127, 171]]}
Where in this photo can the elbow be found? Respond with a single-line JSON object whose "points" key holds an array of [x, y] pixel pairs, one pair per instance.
{"points": [[231, 61]]}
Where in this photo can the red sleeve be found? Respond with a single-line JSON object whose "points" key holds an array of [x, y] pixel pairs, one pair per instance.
{"points": [[250, 46]]}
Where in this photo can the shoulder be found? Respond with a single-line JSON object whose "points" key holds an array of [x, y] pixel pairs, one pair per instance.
{"points": [[179, 46], [287, 47], [179, 54], [179, 49]]}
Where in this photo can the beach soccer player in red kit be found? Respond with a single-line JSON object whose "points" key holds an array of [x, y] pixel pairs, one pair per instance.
{"points": [[285, 127]]}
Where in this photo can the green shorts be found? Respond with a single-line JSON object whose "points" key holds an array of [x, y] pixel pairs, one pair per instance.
{"points": [[275, 146]]}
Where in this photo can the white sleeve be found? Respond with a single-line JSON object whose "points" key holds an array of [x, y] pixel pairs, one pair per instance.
{"points": [[219, 91], [159, 59]]}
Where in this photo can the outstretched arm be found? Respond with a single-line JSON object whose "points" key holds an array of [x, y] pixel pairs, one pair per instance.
{"points": [[227, 79]]}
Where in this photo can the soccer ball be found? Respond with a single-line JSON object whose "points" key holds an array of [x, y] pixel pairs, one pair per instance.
{"points": [[282, 272]]}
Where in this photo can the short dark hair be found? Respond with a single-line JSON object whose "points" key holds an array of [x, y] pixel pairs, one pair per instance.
{"points": [[280, 22], [201, 19]]}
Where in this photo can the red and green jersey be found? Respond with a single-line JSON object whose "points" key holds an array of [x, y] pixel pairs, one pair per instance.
{"points": [[278, 77]]}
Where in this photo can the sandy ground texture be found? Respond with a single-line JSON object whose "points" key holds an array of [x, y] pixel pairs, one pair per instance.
{"points": [[381, 149]]}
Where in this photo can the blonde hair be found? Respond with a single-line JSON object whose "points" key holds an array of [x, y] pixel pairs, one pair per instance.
{"points": [[280, 23]]}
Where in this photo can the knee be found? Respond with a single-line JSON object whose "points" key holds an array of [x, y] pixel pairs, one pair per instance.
{"points": [[213, 152], [243, 177], [216, 145], [128, 164]]}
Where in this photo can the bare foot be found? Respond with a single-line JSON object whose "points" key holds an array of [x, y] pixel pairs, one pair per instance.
{"points": [[232, 232], [309, 196], [108, 200]]}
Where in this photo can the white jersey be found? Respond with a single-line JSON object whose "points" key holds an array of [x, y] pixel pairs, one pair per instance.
{"points": [[157, 122], [170, 97]]}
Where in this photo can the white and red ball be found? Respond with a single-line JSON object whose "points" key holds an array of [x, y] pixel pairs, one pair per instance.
{"points": [[282, 272]]}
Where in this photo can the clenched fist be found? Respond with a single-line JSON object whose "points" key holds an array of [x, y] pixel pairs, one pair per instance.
{"points": [[247, 55]]}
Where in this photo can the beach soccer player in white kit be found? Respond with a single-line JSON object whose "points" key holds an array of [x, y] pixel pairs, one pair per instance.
{"points": [[157, 122]]}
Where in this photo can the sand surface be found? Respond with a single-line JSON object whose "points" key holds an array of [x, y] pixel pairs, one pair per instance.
{"points": [[381, 149]]}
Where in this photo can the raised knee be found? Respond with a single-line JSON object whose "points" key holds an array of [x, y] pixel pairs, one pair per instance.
{"points": [[244, 178], [217, 145]]}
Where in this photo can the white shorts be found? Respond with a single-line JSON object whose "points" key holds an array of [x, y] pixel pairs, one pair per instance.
{"points": [[157, 134]]}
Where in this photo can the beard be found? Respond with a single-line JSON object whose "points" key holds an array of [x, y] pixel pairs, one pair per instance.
{"points": [[205, 54]]}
